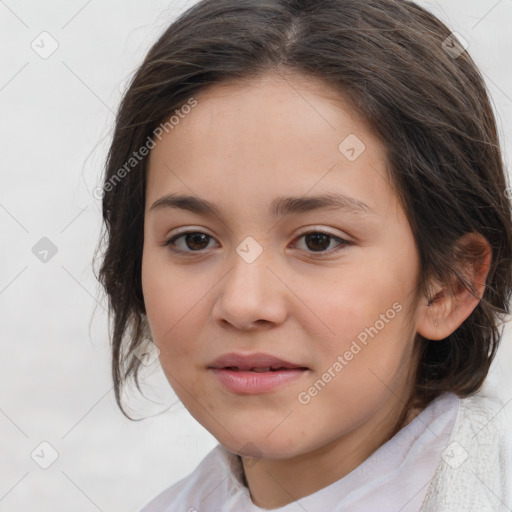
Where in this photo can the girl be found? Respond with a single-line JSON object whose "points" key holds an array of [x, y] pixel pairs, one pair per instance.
{"points": [[307, 214]]}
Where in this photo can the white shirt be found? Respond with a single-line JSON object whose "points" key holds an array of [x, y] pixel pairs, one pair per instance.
{"points": [[426, 466]]}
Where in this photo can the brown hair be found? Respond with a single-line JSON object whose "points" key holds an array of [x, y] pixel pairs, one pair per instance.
{"points": [[429, 106]]}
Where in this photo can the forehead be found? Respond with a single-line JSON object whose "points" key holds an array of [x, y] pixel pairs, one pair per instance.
{"points": [[270, 136], [298, 106], [303, 93]]}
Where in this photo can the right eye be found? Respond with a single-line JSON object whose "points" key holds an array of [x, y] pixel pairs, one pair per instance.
{"points": [[194, 240]]}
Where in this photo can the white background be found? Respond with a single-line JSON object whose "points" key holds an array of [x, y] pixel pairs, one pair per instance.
{"points": [[56, 119]]}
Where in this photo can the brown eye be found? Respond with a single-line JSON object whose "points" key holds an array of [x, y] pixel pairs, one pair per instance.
{"points": [[319, 242], [193, 241], [196, 240]]}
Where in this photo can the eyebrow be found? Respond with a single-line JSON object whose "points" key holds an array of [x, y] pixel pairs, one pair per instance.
{"points": [[279, 206]]}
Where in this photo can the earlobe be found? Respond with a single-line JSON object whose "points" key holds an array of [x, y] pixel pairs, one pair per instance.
{"points": [[452, 303], [432, 320]]}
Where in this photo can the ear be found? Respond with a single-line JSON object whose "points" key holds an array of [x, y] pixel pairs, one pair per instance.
{"points": [[452, 303]]}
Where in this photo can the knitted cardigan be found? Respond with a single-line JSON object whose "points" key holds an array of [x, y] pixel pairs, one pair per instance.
{"points": [[475, 473]]}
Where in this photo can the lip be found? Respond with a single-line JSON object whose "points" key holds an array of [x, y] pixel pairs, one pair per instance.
{"points": [[237, 372], [248, 361]]}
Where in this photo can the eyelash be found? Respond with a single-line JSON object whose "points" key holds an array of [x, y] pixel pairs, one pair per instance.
{"points": [[170, 243]]}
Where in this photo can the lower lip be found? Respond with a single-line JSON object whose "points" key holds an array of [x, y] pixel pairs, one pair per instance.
{"points": [[249, 382]]}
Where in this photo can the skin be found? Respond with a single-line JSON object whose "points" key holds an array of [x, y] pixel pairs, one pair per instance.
{"points": [[243, 145]]}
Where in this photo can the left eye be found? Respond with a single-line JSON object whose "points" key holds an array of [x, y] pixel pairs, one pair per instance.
{"points": [[316, 242]]}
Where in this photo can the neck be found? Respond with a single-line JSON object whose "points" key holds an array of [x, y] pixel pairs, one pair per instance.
{"points": [[277, 482]]}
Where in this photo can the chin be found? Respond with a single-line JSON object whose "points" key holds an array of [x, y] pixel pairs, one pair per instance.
{"points": [[259, 445]]}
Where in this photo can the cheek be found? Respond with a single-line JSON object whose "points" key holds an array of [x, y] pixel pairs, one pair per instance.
{"points": [[350, 301], [173, 305], [365, 363], [363, 312]]}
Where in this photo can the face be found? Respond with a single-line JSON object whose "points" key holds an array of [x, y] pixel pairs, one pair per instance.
{"points": [[283, 325]]}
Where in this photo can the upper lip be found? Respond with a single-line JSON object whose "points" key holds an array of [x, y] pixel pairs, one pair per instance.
{"points": [[248, 361]]}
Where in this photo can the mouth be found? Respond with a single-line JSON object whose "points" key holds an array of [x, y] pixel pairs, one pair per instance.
{"points": [[260, 369], [254, 373], [258, 362]]}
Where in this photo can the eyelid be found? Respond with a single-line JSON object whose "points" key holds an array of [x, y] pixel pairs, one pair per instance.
{"points": [[307, 229], [189, 229], [343, 240], [320, 229]]}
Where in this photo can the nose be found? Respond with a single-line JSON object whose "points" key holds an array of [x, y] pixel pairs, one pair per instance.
{"points": [[250, 296]]}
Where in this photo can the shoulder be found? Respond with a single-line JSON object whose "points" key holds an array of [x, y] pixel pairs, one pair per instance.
{"points": [[476, 466], [202, 481]]}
